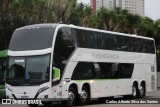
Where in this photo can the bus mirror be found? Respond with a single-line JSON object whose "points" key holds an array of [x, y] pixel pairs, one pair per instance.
{"points": [[64, 62], [56, 74]]}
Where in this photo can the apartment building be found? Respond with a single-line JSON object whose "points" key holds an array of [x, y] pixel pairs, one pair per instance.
{"points": [[133, 6]]}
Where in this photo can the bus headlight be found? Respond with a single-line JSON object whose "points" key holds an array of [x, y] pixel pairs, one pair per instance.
{"points": [[42, 89], [10, 91]]}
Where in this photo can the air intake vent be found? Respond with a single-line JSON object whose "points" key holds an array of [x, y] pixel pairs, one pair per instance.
{"points": [[153, 82], [152, 69]]}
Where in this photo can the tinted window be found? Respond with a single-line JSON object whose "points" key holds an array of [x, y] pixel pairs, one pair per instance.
{"points": [[150, 46], [108, 41], [81, 38], [31, 39], [84, 71], [99, 70], [116, 70], [121, 46], [64, 46], [125, 70], [92, 40]]}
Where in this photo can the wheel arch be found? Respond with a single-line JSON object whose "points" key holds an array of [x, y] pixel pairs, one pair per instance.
{"points": [[143, 82], [75, 86], [135, 82]]}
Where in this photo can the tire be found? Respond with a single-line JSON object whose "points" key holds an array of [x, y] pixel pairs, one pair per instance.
{"points": [[84, 97], [142, 91], [71, 98], [134, 91]]}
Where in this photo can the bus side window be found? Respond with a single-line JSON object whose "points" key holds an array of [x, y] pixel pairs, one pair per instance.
{"points": [[97, 70], [64, 47], [83, 71], [81, 38]]}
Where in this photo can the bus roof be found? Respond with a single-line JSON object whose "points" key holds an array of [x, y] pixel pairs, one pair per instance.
{"points": [[51, 25], [3, 53], [46, 25], [112, 32]]}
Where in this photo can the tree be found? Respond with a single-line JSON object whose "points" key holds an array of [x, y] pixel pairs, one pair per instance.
{"points": [[134, 21], [62, 9], [146, 27], [76, 17], [8, 22], [103, 15]]}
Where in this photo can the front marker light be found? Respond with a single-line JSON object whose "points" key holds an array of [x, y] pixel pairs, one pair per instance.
{"points": [[10, 91], [42, 89]]}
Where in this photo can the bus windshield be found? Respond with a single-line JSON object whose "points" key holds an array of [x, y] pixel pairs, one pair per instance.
{"points": [[28, 70], [32, 39]]}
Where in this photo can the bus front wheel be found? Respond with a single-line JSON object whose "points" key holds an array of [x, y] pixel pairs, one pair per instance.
{"points": [[71, 97]]}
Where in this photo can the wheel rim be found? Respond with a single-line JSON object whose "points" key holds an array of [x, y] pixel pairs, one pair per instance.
{"points": [[84, 96], [71, 97], [141, 90], [134, 91]]}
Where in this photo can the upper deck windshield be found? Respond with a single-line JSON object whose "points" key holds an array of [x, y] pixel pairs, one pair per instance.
{"points": [[32, 39]]}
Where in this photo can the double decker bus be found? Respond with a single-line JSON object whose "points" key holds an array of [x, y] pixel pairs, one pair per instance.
{"points": [[3, 58], [59, 62]]}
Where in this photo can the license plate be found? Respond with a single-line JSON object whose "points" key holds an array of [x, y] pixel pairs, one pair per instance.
{"points": [[24, 97]]}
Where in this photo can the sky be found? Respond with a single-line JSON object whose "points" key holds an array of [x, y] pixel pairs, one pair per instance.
{"points": [[152, 8]]}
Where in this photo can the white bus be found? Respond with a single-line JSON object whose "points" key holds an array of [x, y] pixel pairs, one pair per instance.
{"points": [[75, 64]]}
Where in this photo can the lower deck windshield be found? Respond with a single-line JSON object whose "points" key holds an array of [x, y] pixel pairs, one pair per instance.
{"points": [[32, 70]]}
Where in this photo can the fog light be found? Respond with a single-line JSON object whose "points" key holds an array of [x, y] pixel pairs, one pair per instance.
{"points": [[46, 96]]}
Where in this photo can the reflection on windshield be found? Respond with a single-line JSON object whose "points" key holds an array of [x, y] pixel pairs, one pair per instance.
{"points": [[28, 70], [37, 68], [16, 68]]}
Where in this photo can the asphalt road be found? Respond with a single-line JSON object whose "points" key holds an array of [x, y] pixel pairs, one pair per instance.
{"points": [[97, 103]]}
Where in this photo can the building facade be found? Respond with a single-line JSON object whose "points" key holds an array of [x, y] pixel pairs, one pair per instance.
{"points": [[133, 6]]}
